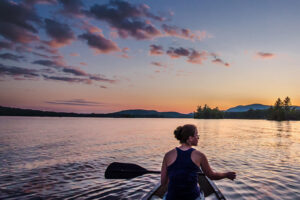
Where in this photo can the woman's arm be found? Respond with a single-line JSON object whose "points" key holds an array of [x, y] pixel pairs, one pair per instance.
{"points": [[164, 172], [214, 175]]}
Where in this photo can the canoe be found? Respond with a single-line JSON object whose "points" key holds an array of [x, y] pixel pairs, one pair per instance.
{"points": [[206, 185]]}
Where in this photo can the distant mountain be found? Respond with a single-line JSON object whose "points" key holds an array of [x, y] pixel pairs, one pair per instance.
{"points": [[253, 107], [248, 107], [151, 113], [297, 107], [139, 113], [6, 111]]}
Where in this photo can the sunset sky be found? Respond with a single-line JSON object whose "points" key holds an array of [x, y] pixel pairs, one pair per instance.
{"points": [[167, 55]]}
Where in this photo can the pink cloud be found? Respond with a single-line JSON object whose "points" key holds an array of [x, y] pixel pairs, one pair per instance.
{"points": [[18, 72], [90, 28], [197, 57], [99, 43], [264, 55], [156, 50], [158, 64], [16, 33], [220, 61], [125, 49], [178, 52], [57, 44], [184, 33], [125, 52], [61, 34], [114, 34]]}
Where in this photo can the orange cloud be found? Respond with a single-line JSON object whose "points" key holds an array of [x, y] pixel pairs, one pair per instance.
{"points": [[60, 33], [74, 54], [197, 57], [90, 28], [156, 50], [125, 52]]}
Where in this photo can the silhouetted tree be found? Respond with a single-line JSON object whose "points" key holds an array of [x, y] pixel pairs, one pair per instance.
{"points": [[207, 113], [283, 110], [287, 104]]}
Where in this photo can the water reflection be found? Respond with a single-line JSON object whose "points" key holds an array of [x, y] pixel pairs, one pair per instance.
{"points": [[284, 129], [66, 158]]}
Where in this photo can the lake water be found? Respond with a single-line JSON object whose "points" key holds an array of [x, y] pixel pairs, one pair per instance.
{"points": [[54, 158]]}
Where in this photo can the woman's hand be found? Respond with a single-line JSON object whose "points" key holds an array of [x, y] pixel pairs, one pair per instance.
{"points": [[231, 175]]}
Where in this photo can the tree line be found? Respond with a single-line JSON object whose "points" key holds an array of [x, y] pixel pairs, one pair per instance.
{"points": [[208, 113], [281, 110]]}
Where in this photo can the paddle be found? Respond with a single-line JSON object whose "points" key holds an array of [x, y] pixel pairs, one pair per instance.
{"points": [[118, 170]]}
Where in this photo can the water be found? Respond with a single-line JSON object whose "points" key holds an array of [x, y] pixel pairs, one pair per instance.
{"points": [[54, 158]]}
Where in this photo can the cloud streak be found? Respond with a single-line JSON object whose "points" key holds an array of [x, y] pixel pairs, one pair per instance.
{"points": [[16, 33], [177, 52], [75, 102], [217, 60], [67, 79], [158, 64], [183, 33], [193, 56], [16, 72], [265, 55], [86, 77], [9, 56], [99, 43]]}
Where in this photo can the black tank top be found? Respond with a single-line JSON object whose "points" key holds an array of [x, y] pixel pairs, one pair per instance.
{"points": [[183, 178]]}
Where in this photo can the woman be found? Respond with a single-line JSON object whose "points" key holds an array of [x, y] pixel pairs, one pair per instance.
{"points": [[180, 167]]}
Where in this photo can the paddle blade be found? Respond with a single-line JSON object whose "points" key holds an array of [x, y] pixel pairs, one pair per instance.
{"points": [[118, 170]]}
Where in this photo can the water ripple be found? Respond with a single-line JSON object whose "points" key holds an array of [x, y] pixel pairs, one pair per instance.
{"points": [[57, 158]]}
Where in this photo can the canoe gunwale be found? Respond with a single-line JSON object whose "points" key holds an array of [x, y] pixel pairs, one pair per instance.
{"points": [[206, 185]]}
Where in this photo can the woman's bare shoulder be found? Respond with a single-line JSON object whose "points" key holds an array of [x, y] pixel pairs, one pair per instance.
{"points": [[170, 153], [199, 153]]}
